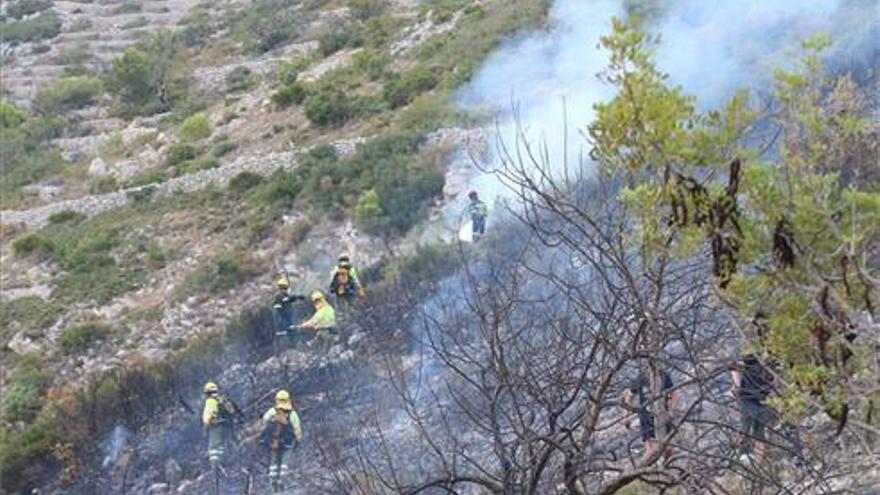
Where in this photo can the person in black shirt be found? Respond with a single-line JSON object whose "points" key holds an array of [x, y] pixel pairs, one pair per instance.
{"points": [[639, 390], [752, 384]]}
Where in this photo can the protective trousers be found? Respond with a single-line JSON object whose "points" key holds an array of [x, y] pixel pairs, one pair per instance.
{"points": [[216, 443], [277, 468]]}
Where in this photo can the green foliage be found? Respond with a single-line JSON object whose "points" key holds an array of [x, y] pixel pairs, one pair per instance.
{"points": [[78, 54], [401, 89], [328, 107], [11, 117], [69, 93], [287, 72], [223, 146], [244, 181], [400, 180], [195, 128], [789, 239], [80, 338], [31, 244], [129, 7], [44, 26], [370, 63], [30, 313], [240, 79], [266, 24], [365, 9], [24, 8], [222, 273], [338, 36], [442, 9], [150, 77], [178, 153], [21, 451], [368, 213], [292, 94], [103, 185], [191, 166], [27, 383], [65, 216]]}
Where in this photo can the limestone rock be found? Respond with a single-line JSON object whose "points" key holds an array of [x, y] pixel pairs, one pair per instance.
{"points": [[98, 167]]}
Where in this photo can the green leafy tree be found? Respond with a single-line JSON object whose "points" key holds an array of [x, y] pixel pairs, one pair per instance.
{"points": [[793, 243], [151, 77]]}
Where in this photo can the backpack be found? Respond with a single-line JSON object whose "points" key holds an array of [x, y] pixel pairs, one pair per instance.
{"points": [[226, 409], [757, 381], [282, 431]]}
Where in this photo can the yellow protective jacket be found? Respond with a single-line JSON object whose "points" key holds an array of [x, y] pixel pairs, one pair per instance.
{"points": [[211, 413], [324, 317]]}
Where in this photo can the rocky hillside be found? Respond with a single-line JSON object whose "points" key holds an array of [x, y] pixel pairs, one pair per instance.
{"points": [[164, 160]]}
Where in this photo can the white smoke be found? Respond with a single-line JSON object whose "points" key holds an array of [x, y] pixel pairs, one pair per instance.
{"points": [[112, 446], [711, 49]]}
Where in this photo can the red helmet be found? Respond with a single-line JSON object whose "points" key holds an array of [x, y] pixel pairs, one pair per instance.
{"points": [[472, 194]]}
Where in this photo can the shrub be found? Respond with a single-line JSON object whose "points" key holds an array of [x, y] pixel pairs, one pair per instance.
{"points": [[178, 153], [23, 8], [240, 79], [44, 26], [327, 107], [368, 213], [222, 273], [11, 116], [68, 93], [244, 181], [32, 313], [402, 89], [287, 72], [103, 185], [29, 244], [27, 384], [192, 166], [370, 63], [222, 148], [289, 95], [195, 128], [65, 216], [365, 9], [337, 37], [130, 7], [151, 77], [76, 55], [80, 338], [280, 189]]}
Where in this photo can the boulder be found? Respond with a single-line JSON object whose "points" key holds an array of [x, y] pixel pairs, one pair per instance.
{"points": [[98, 167], [23, 344]]}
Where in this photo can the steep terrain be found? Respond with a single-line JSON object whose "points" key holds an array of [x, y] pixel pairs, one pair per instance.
{"points": [[145, 210]]}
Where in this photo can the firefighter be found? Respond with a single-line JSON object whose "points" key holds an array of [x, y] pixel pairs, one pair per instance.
{"points": [[281, 434]]}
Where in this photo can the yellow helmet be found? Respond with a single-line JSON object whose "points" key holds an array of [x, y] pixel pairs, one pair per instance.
{"points": [[283, 283], [317, 296], [282, 400], [211, 388]]}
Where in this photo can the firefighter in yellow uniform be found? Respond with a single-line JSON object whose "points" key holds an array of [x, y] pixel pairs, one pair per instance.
{"points": [[282, 433], [323, 322], [218, 418]]}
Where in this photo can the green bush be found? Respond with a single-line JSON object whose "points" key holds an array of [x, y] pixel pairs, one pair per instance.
{"points": [[223, 147], [192, 166], [365, 9], [26, 386], [370, 63], [65, 216], [80, 338], [29, 244], [266, 24], [178, 153], [103, 185], [69, 93], [368, 213], [31, 313], [289, 95], [337, 37], [23, 8], [327, 108], [11, 117], [288, 72], [76, 55], [240, 79], [400, 89], [195, 128], [278, 190], [222, 273], [151, 76], [44, 26], [130, 7], [244, 181]]}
